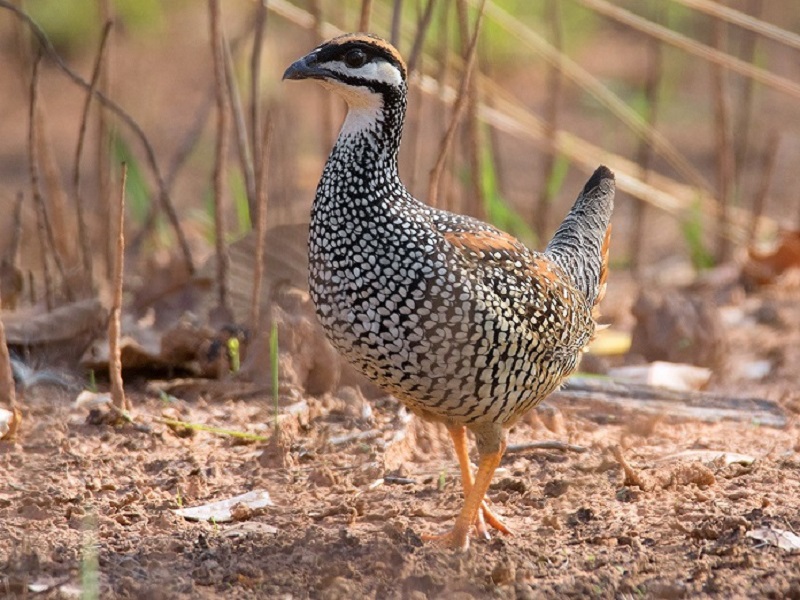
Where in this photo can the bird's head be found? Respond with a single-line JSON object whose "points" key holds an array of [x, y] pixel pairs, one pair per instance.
{"points": [[360, 67]]}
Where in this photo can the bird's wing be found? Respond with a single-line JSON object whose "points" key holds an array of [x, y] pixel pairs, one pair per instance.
{"points": [[536, 290]]}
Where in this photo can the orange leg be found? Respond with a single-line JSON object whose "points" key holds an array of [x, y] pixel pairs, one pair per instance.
{"points": [[474, 512], [458, 538], [485, 515]]}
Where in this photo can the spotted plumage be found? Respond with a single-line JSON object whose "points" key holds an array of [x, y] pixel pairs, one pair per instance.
{"points": [[457, 319]]}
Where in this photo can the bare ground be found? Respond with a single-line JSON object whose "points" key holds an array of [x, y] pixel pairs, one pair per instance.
{"points": [[349, 515]]}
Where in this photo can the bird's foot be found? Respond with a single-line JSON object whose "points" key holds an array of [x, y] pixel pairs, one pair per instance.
{"points": [[487, 517], [452, 540], [458, 538]]}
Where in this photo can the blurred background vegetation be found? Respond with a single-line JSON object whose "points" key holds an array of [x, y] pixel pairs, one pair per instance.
{"points": [[694, 104]]}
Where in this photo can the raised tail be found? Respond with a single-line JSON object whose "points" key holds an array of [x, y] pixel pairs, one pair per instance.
{"points": [[580, 246]]}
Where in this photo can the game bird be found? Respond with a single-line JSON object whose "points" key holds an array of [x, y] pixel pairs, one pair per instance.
{"points": [[460, 321]]}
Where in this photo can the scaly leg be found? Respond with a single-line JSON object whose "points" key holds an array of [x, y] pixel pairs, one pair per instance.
{"points": [[459, 435], [458, 538]]}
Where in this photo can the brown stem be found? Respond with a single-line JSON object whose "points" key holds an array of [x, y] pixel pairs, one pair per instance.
{"points": [[47, 239], [83, 232], [118, 398], [760, 199], [363, 19], [8, 395], [726, 176], [220, 164], [419, 37], [255, 86], [477, 198], [397, 14], [261, 224], [555, 78], [644, 154], [240, 128], [458, 110]]}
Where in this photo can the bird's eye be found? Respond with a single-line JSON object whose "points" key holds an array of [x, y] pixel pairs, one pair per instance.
{"points": [[355, 58]]}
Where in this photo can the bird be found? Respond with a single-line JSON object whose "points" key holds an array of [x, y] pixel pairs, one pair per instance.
{"points": [[460, 321]]}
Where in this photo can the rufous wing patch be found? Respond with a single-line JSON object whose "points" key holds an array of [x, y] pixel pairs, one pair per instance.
{"points": [[482, 242]]}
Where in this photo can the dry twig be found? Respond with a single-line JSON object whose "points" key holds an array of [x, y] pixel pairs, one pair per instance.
{"points": [[476, 206], [760, 200], [239, 127], [83, 233], [554, 84], [363, 19], [546, 445], [644, 153], [8, 396], [119, 400], [458, 110], [261, 223], [726, 161], [220, 164]]}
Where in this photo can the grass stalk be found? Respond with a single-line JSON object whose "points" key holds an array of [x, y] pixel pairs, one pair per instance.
{"points": [[364, 16], [458, 111], [118, 398], [726, 165], [544, 200], [83, 232], [221, 157], [476, 204], [644, 153]]}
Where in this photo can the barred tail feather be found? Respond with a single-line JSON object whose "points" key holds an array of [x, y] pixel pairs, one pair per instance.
{"points": [[580, 246]]}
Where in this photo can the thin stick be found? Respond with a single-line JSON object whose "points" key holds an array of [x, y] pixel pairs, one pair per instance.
{"points": [[397, 14], [477, 198], [546, 445], [261, 224], [8, 395], [458, 110], [363, 19], [220, 164], [164, 197], [713, 55], [118, 398], [104, 153], [419, 38], [442, 75], [767, 170], [555, 78], [325, 99], [644, 154], [83, 233], [46, 237], [745, 112], [16, 232], [255, 85], [240, 128], [726, 162], [632, 477]]}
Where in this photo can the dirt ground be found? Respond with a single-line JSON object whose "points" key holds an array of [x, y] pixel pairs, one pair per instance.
{"points": [[349, 512], [88, 505]]}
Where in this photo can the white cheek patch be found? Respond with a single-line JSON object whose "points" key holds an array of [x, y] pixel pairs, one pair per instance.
{"points": [[379, 71], [364, 105]]}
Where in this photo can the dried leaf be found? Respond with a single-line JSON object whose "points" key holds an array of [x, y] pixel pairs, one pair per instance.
{"points": [[785, 540], [89, 400], [222, 511], [765, 268], [711, 456]]}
